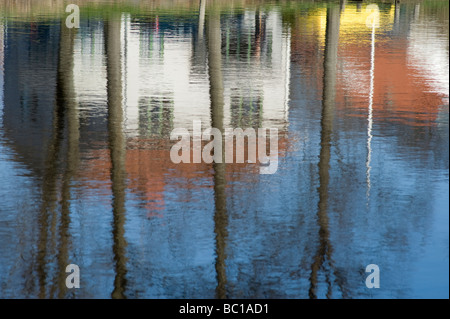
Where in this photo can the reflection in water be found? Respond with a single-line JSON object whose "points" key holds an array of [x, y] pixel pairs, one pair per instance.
{"points": [[217, 115], [323, 254], [117, 151], [85, 150], [65, 123], [370, 112], [66, 97]]}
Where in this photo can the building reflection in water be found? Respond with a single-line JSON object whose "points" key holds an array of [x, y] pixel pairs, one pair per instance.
{"points": [[85, 126]]}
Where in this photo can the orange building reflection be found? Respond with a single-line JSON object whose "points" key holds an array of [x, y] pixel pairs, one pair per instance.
{"points": [[150, 170], [404, 90], [401, 92]]}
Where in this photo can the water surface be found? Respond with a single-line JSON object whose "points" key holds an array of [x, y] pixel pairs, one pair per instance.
{"points": [[86, 175]]}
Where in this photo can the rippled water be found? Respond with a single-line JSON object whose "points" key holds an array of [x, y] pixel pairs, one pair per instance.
{"points": [[361, 108]]}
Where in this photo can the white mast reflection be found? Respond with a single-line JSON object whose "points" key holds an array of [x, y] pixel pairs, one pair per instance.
{"points": [[370, 112], [288, 74]]}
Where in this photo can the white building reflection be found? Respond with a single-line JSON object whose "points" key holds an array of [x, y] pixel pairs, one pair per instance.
{"points": [[165, 76]]}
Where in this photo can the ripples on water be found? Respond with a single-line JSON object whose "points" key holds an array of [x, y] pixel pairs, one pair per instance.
{"points": [[362, 115]]}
